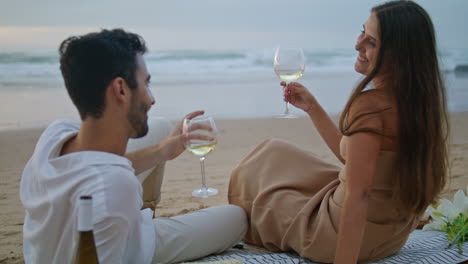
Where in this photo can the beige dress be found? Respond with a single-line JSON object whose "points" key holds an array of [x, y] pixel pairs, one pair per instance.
{"points": [[294, 200]]}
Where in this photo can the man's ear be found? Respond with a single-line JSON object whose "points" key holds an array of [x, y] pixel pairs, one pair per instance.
{"points": [[120, 90]]}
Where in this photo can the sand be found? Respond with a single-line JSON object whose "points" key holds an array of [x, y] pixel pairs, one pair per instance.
{"points": [[236, 139]]}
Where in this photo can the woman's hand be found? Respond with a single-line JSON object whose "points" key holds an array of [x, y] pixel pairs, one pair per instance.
{"points": [[297, 95]]}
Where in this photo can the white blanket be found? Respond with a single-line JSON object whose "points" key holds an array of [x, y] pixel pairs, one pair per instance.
{"points": [[422, 247]]}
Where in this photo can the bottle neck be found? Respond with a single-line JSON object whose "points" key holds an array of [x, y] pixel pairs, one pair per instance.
{"points": [[85, 215]]}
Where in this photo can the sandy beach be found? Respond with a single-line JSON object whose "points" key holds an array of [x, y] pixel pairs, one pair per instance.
{"points": [[236, 139], [215, 56]]}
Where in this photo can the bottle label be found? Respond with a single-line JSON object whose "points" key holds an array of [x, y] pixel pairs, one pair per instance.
{"points": [[85, 213]]}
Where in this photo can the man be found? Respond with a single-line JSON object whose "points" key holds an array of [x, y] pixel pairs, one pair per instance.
{"points": [[106, 77]]}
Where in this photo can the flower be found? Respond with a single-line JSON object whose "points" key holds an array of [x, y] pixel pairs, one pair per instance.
{"points": [[447, 211], [450, 217]]}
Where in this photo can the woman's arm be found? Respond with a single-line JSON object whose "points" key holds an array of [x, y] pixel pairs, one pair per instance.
{"points": [[300, 97], [327, 129], [361, 158]]}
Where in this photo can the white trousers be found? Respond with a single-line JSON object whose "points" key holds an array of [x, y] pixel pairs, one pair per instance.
{"points": [[192, 235]]}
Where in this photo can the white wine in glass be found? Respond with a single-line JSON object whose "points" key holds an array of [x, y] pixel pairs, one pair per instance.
{"points": [[204, 130], [289, 65]]}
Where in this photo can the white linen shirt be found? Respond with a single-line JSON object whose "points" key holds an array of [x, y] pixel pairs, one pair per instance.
{"points": [[50, 189]]}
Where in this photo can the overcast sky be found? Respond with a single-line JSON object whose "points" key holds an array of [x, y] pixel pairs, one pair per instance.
{"points": [[213, 24]]}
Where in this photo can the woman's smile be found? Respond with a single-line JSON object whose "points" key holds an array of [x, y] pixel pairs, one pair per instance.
{"points": [[362, 59]]}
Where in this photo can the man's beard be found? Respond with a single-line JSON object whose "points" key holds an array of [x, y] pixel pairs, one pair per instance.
{"points": [[138, 119]]}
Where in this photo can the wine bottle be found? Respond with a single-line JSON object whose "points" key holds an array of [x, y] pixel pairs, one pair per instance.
{"points": [[85, 250]]}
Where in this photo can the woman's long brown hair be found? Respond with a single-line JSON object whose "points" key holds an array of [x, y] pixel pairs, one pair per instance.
{"points": [[408, 50]]}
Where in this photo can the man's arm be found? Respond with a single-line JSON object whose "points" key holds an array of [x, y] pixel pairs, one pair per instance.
{"points": [[147, 158], [111, 236], [117, 230], [169, 148]]}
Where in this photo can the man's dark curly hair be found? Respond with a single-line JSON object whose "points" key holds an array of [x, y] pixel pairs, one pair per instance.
{"points": [[90, 62]]}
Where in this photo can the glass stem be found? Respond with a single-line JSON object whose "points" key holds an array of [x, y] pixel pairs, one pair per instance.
{"points": [[286, 109], [202, 165]]}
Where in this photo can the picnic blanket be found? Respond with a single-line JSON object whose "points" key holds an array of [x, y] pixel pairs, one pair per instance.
{"points": [[422, 247]]}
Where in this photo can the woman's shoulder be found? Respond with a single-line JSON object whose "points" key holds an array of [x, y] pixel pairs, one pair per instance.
{"points": [[374, 109], [374, 99]]}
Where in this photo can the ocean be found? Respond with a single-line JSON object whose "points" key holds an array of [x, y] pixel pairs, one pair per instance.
{"points": [[199, 63], [226, 83]]}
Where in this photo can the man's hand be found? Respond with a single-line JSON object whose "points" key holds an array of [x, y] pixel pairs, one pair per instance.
{"points": [[169, 148], [174, 144]]}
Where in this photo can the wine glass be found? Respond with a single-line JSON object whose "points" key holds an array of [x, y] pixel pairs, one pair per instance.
{"points": [[204, 130], [289, 66]]}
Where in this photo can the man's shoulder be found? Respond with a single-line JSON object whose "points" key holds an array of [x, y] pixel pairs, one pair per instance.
{"points": [[56, 131], [62, 126], [115, 172], [110, 180], [116, 191], [98, 169]]}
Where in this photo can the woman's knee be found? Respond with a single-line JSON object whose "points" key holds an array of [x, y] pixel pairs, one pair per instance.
{"points": [[274, 144]]}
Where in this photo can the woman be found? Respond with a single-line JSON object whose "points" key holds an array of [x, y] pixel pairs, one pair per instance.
{"points": [[391, 139]]}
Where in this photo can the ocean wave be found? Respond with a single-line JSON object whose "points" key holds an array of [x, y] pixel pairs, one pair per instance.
{"points": [[199, 62], [26, 58]]}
